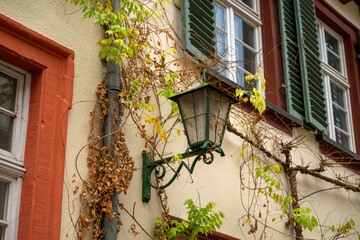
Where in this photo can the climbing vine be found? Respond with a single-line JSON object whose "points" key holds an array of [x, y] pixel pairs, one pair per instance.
{"points": [[143, 42]]}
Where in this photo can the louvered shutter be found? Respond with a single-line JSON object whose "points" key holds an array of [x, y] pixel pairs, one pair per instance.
{"points": [[302, 66], [198, 19]]}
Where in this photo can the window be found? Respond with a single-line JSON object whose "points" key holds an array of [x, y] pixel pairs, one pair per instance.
{"points": [[14, 98], [229, 28], [237, 39], [336, 87]]}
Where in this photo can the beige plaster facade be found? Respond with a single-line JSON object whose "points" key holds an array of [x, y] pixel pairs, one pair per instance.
{"points": [[219, 182]]}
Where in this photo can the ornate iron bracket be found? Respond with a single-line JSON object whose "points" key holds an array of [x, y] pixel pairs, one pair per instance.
{"points": [[160, 171]]}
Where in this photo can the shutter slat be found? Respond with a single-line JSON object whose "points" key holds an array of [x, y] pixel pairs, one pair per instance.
{"points": [[302, 67], [198, 19], [313, 89]]}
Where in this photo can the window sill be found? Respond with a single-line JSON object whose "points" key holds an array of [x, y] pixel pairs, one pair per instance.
{"points": [[273, 115], [283, 121]]}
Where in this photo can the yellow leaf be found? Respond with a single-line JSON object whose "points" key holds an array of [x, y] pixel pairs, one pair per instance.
{"points": [[245, 99], [178, 132], [242, 153], [158, 127], [248, 220], [273, 220], [122, 94], [164, 136]]}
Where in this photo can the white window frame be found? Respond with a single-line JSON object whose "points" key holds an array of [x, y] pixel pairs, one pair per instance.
{"points": [[12, 209], [252, 17], [16, 155], [331, 75], [12, 162]]}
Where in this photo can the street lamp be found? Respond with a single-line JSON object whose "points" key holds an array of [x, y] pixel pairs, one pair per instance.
{"points": [[204, 112]]}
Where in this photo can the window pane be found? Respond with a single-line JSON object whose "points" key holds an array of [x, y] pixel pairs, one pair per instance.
{"points": [[221, 45], [245, 58], [7, 92], [240, 75], [220, 16], [3, 200], [332, 43], [337, 95], [250, 3], [340, 118], [334, 61], [6, 130], [342, 138], [244, 32], [2, 232]]}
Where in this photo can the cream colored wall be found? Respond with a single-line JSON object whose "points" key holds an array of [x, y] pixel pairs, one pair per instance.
{"points": [[63, 23], [218, 182], [350, 10]]}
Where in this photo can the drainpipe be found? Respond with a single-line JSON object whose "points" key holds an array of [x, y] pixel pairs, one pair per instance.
{"points": [[113, 85]]}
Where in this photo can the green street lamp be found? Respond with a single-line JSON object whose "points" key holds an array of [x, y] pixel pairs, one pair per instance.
{"points": [[204, 112]]}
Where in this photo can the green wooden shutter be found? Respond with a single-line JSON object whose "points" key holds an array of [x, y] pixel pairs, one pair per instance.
{"points": [[198, 19], [302, 66]]}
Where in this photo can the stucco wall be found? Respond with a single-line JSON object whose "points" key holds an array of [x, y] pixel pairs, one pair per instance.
{"points": [[219, 182], [63, 23], [350, 10]]}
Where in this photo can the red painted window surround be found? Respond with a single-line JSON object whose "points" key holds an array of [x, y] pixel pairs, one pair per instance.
{"points": [[52, 68], [273, 65], [349, 33]]}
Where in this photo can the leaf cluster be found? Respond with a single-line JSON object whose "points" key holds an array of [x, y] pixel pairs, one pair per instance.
{"points": [[200, 221]]}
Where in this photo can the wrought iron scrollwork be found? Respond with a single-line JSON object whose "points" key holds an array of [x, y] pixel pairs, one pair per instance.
{"points": [[159, 170]]}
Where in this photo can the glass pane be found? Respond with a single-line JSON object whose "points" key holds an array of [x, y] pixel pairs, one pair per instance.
{"points": [[342, 138], [334, 61], [332, 43], [245, 58], [240, 76], [221, 44], [2, 232], [340, 118], [224, 108], [3, 199], [6, 131], [214, 102], [220, 16], [200, 128], [219, 131], [212, 128], [223, 68], [244, 32], [186, 106], [337, 95], [200, 101], [7, 92], [250, 3], [190, 127]]}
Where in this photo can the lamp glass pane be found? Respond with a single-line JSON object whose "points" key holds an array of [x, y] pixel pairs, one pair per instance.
{"points": [[190, 127], [215, 99], [212, 128], [200, 101], [224, 108], [186, 105], [200, 127], [220, 124]]}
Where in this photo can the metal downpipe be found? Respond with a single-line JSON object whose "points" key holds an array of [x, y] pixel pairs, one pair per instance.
{"points": [[113, 84]]}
